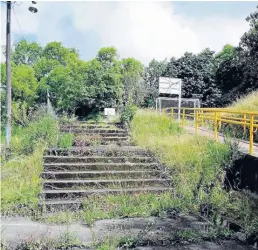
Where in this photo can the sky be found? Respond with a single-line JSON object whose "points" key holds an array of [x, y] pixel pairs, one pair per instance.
{"points": [[143, 30]]}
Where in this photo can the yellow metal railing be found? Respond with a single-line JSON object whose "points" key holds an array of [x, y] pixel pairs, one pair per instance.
{"points": [[217, 116]]}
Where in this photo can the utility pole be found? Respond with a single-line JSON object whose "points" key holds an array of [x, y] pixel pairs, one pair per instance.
{"points": [[8, 75], [8, 127]]}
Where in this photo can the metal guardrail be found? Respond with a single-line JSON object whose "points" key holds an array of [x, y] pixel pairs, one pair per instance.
{"points": [[218, 116]]}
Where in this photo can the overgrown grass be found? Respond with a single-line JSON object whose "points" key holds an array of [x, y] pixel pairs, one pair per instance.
{"points": [[21, 183], [44, 129], [197, 166], [66, 140], [22, 165]]}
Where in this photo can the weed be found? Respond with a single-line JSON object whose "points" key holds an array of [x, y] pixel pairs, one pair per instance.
{"points": [[116, 206], [128, 242], [21, 183], [128, 113], [186, 235], [108, 243], [66, 140]]}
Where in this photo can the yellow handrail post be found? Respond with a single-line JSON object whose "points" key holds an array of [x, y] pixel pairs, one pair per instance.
{"points": [[219, 118], [202, 120], [251, 134], [215, 126], [244, 123], [183, 118], [172, 113], [196, 122]]}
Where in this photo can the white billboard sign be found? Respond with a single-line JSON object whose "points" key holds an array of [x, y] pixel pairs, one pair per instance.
{"points": [[109, 111], [171, 86]]}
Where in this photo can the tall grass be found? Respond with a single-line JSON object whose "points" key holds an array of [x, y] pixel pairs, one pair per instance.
{"points": [[248, 102], [20, 180], [197, 164]]}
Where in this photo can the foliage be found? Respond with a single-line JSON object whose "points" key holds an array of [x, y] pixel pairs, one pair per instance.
{"points": [[128, 113], [40, 129], [24, 84], [26, 53], [151, 78], [134, 88]]}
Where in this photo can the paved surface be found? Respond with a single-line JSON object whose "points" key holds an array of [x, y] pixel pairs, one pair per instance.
{"points": [[243, 145], [154, 233], [17, 229]]}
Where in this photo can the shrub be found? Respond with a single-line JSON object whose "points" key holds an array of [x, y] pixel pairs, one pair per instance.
{"points": [[128, 113], [45, 130]]}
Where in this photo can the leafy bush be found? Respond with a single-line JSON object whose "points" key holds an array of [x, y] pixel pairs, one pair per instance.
{"points": [[128, 113], [42, 128], [66, 140]]}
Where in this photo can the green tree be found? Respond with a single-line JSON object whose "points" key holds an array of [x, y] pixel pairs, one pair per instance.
{"points": [[134, 89], [24, 84], [151, 78], [26, 53]]}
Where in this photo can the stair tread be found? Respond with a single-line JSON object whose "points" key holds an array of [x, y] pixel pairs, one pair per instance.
{"points": [[96, 157], [103, 180], [105, 190], [101, 172], [100, 164]]}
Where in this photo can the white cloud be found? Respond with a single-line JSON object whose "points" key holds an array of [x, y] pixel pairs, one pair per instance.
{"points": [[143, 30]]}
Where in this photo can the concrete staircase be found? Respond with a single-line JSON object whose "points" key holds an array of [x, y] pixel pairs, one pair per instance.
{"points": [[112, 166]]}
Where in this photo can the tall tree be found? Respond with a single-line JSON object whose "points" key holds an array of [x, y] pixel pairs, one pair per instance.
{"points": [[134, 89], [26, 53], [151, 77]]}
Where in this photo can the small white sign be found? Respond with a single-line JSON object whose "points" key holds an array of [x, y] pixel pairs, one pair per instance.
{"points": [[170, 85], [110, 111]]}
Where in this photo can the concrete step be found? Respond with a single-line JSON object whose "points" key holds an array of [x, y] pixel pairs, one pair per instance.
{"points": [[102, 150], [92, 126], [77, 203], [101, 138], [101, 174], [98, 166], [73, 194], [91, 159], [102, 135], [113, 183], [94, 131]]}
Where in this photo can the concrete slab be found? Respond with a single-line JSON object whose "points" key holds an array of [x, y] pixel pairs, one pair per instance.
{"points": [[17, 229]]}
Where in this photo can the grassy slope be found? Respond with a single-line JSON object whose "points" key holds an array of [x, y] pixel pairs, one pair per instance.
{"points": [[196, 165]]}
